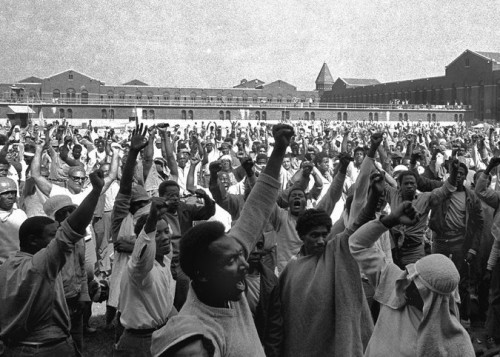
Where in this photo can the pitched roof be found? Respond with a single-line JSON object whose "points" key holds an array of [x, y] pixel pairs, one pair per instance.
{"points": [[279, 83], [494, 56], [135, 82], [72, 70], [324, 75], [254, 83], [359, 82], [31, 79]]}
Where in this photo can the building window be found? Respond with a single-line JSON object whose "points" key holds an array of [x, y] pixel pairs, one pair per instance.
{"points": [[144, 114], [193, 96], [269, 98], [339, 116], [370, 116], [279, 99], [85, 97], [150, 95], [70, 95], [375, 116], [255, 98], [306, 116], [229, 97], [313, 116], [460, 117], [177, 96], [405, 116], [429, 117], [264, 115], [257, 115], [228, 115], [111, 94], [111, 114], [69, 113], [56, 93], [345, 116], [190, 114], [70, 76], [221, 115], [456, 117], [151, 114], [433, 117], [104, 114], [467, 63], [400, 116], [244, 98], [183, 115], [166, 96], [121, 95], [138, 95]]}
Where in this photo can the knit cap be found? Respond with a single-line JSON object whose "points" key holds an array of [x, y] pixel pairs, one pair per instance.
{"points": [[438, 273]]}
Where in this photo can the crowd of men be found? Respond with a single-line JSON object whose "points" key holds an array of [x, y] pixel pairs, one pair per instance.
{"points": [[304, 238]]}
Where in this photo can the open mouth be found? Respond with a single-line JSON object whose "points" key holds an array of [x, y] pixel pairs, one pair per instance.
{"points": [[297, 204]]}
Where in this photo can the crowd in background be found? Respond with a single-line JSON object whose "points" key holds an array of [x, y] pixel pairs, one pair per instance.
{"points": [[236, 238]]}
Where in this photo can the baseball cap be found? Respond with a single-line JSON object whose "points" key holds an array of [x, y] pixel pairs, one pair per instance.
{"points": [[55, 203]]}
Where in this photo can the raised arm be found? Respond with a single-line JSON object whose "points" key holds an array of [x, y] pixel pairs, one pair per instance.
{"points": [[137, 143], [361, 243], [41, 182], [171, 162], [147, 161], [113, 170], [81, 217], [491, 197], [143, 255], [328, 202], [262, 198]]}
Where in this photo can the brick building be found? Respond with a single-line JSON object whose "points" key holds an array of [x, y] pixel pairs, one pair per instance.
{"points": [[472, 79], [74, 95]]}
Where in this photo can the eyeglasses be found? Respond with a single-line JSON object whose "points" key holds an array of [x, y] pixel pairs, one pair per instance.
{"points": [[78, 178]]}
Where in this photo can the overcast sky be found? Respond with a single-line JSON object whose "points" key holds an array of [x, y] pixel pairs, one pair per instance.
{"points": [[217, 43]]}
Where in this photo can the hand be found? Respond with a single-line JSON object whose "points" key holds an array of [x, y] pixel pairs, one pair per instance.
{"points": [[123, 246], [376, 139], [195, 160], [214, 167], [201, 194], [247, 163], [494, 162], [345, 159], [97, 180], [403, 214], [415, 156], [377, 183], [469, 257], [138, 140], [307, 168], [454, 165], [157, 203], [282, 134]]}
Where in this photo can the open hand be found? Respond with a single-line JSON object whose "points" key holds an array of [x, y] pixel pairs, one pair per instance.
{"points": [[138, 140]]}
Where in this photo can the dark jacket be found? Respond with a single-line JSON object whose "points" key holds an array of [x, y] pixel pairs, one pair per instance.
{"points": [[474, 220], [186, 214], [268, 281]]}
